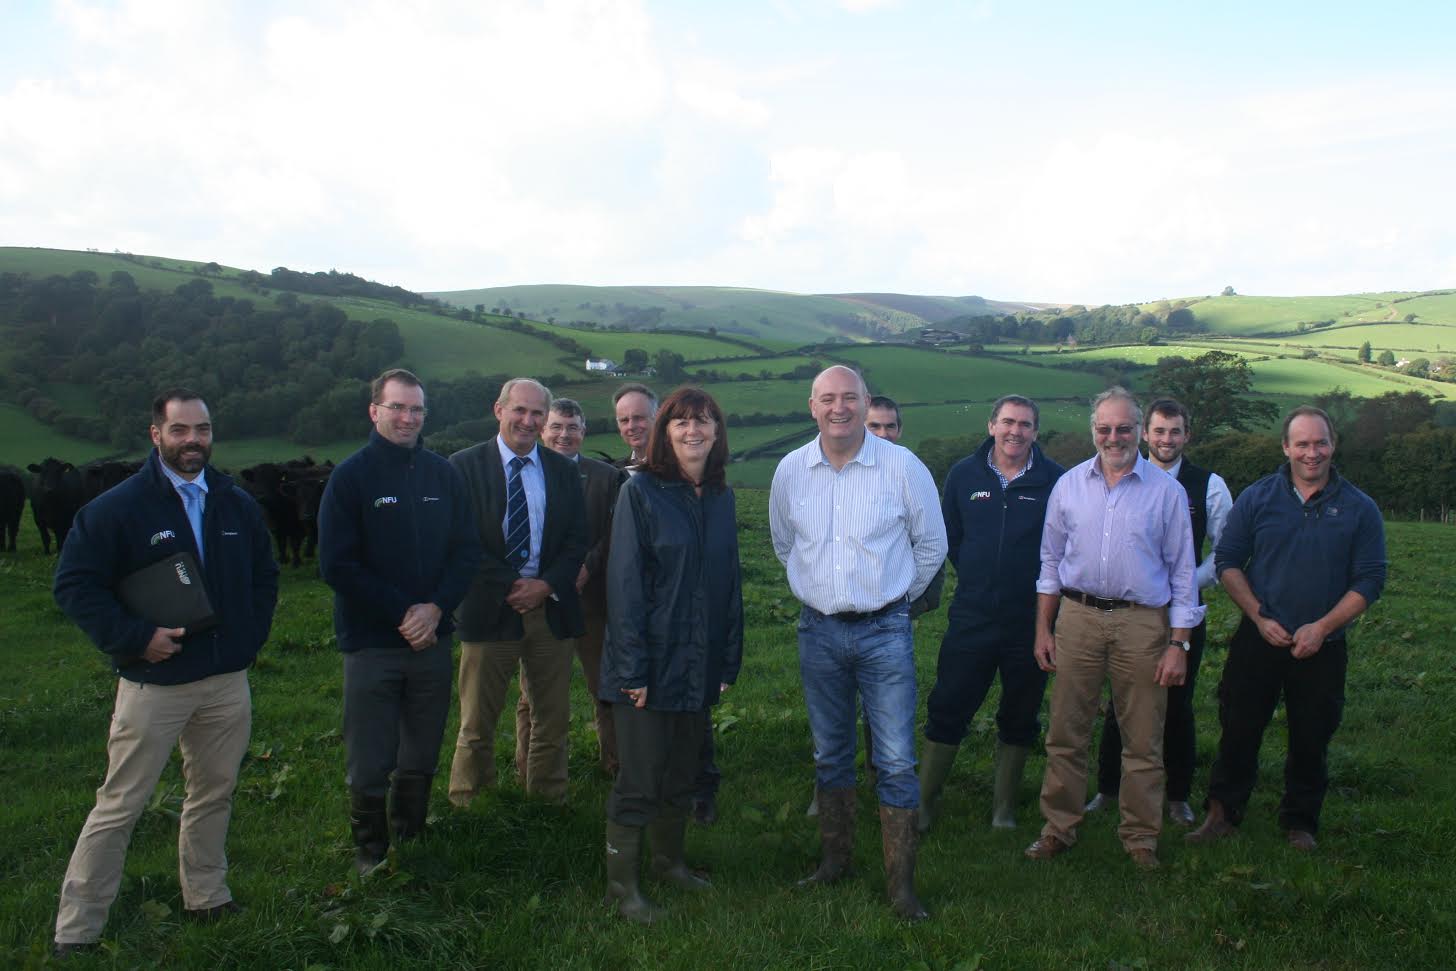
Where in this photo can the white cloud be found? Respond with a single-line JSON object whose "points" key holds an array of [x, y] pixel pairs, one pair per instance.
{"points": [[452, 144]]}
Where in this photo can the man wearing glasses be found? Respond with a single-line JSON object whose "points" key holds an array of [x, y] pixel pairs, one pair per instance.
{"points": [[1116, 600], [398, 545]]}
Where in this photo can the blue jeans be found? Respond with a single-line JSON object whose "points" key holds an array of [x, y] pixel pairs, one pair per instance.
{"points": [[877, 658]]}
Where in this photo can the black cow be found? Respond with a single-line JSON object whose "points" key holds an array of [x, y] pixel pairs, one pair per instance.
{"points": [[98, 476], [271, 484], [55, 495], [12, 503], [308, 494]]}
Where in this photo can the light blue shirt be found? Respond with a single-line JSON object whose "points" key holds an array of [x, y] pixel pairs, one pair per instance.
{"points": [[1131, 542], [533, 479], [177, 483]]}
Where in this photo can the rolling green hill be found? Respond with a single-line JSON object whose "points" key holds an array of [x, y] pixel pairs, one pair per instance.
{"points": [[760, 336], [778, 319]]}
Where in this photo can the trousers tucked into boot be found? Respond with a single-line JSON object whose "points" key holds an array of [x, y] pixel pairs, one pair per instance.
{"points": [[370, 826], [836, 836], [667, 833], [1010, 765], [409, 804], [624, 856], [899, 835], [936, 759]]}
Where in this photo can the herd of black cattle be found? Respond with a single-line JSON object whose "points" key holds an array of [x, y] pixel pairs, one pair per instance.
{"points": [[288, 492]]}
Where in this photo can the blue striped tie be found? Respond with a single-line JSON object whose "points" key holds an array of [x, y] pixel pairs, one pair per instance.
{"points": [[518, 516]]}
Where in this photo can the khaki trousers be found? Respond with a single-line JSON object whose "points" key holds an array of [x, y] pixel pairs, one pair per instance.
{"points": [[486, 671], [210, 721], [589, 652], [1093, 646]]}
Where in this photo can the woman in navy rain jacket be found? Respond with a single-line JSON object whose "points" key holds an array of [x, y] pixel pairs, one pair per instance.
{"points": [[674, 637]]}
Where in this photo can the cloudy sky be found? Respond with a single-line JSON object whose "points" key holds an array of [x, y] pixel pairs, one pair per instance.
{"points": [[1061, 151]]}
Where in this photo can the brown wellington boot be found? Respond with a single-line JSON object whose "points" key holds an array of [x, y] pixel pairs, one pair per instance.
{"points": [[836, 836], [624, 853], [1216, 825], [899, 833]]}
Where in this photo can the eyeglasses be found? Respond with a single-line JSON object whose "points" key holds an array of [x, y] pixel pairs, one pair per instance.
{"points": [[1107, 431], [414, 411]]}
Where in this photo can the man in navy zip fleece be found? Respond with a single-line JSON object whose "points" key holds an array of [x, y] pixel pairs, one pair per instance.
{"points": [[397, 543], [175, 687], [1303, 555], [994, 503]]}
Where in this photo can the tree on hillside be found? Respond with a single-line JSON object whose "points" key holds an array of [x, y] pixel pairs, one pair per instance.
{"points": [[1386, 358], [1228, 292], [670, 366], [1216, 388], [1364, 354], [634, 360]]}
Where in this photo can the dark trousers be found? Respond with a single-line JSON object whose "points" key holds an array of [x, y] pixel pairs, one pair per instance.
{"points": [[1314, 699], [658, 755], [1179, 735], [972, 652], [705, 786], [395, 704]]}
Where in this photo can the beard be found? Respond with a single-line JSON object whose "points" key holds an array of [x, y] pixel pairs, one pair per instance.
{"points": [[186, 458]]}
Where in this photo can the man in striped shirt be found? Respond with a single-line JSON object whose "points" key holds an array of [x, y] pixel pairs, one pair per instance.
{"points": [[856, 522]]}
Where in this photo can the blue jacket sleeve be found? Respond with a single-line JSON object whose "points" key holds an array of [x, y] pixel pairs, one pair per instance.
{"points": [[1236, 544], [86, 576], [951, 511], [464, 555], [733, 654], [1367, 555], [627, 649]]}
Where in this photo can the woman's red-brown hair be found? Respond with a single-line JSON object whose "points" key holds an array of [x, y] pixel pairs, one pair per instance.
{"points": [[687, 403]]}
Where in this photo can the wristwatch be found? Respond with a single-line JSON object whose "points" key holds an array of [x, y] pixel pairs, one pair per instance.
{"points": [[1186, 645]]}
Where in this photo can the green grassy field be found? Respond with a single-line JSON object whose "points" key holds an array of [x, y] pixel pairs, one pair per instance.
{"points": [[1437, 308], [24, 440], [612, 344], [515, 883], [914, 374], [1258, 315], [1427, 340]]}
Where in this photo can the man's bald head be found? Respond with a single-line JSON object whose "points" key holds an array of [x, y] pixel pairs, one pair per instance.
{"points": [[840, 371]]}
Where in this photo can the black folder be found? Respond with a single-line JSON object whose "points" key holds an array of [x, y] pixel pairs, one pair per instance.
{"points": [[169, 593]]}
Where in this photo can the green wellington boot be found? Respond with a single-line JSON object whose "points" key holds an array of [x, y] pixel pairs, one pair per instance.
{"points": [[936, 759], [624, 854], [666, 834], [1010, 764]]}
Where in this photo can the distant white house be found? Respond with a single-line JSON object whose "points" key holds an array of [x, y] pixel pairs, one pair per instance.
{"points": [[600, 364]]}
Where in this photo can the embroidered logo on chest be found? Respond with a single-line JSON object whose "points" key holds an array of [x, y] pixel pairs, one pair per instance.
{"points": [[978, 496], [165, 534], [383, 501]]}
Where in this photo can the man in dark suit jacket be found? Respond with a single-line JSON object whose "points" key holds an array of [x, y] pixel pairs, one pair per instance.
{"points": [[565, 429], [523, 608]]}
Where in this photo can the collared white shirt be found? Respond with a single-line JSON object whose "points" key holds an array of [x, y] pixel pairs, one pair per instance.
{"points": [[861, 537], [1220, 501], [534, 481]]}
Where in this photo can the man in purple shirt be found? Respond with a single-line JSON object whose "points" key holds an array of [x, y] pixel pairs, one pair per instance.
{"points": [[1117, 572]]}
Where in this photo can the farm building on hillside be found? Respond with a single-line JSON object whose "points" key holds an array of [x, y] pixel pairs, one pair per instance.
{"points": [[601, 364]]}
